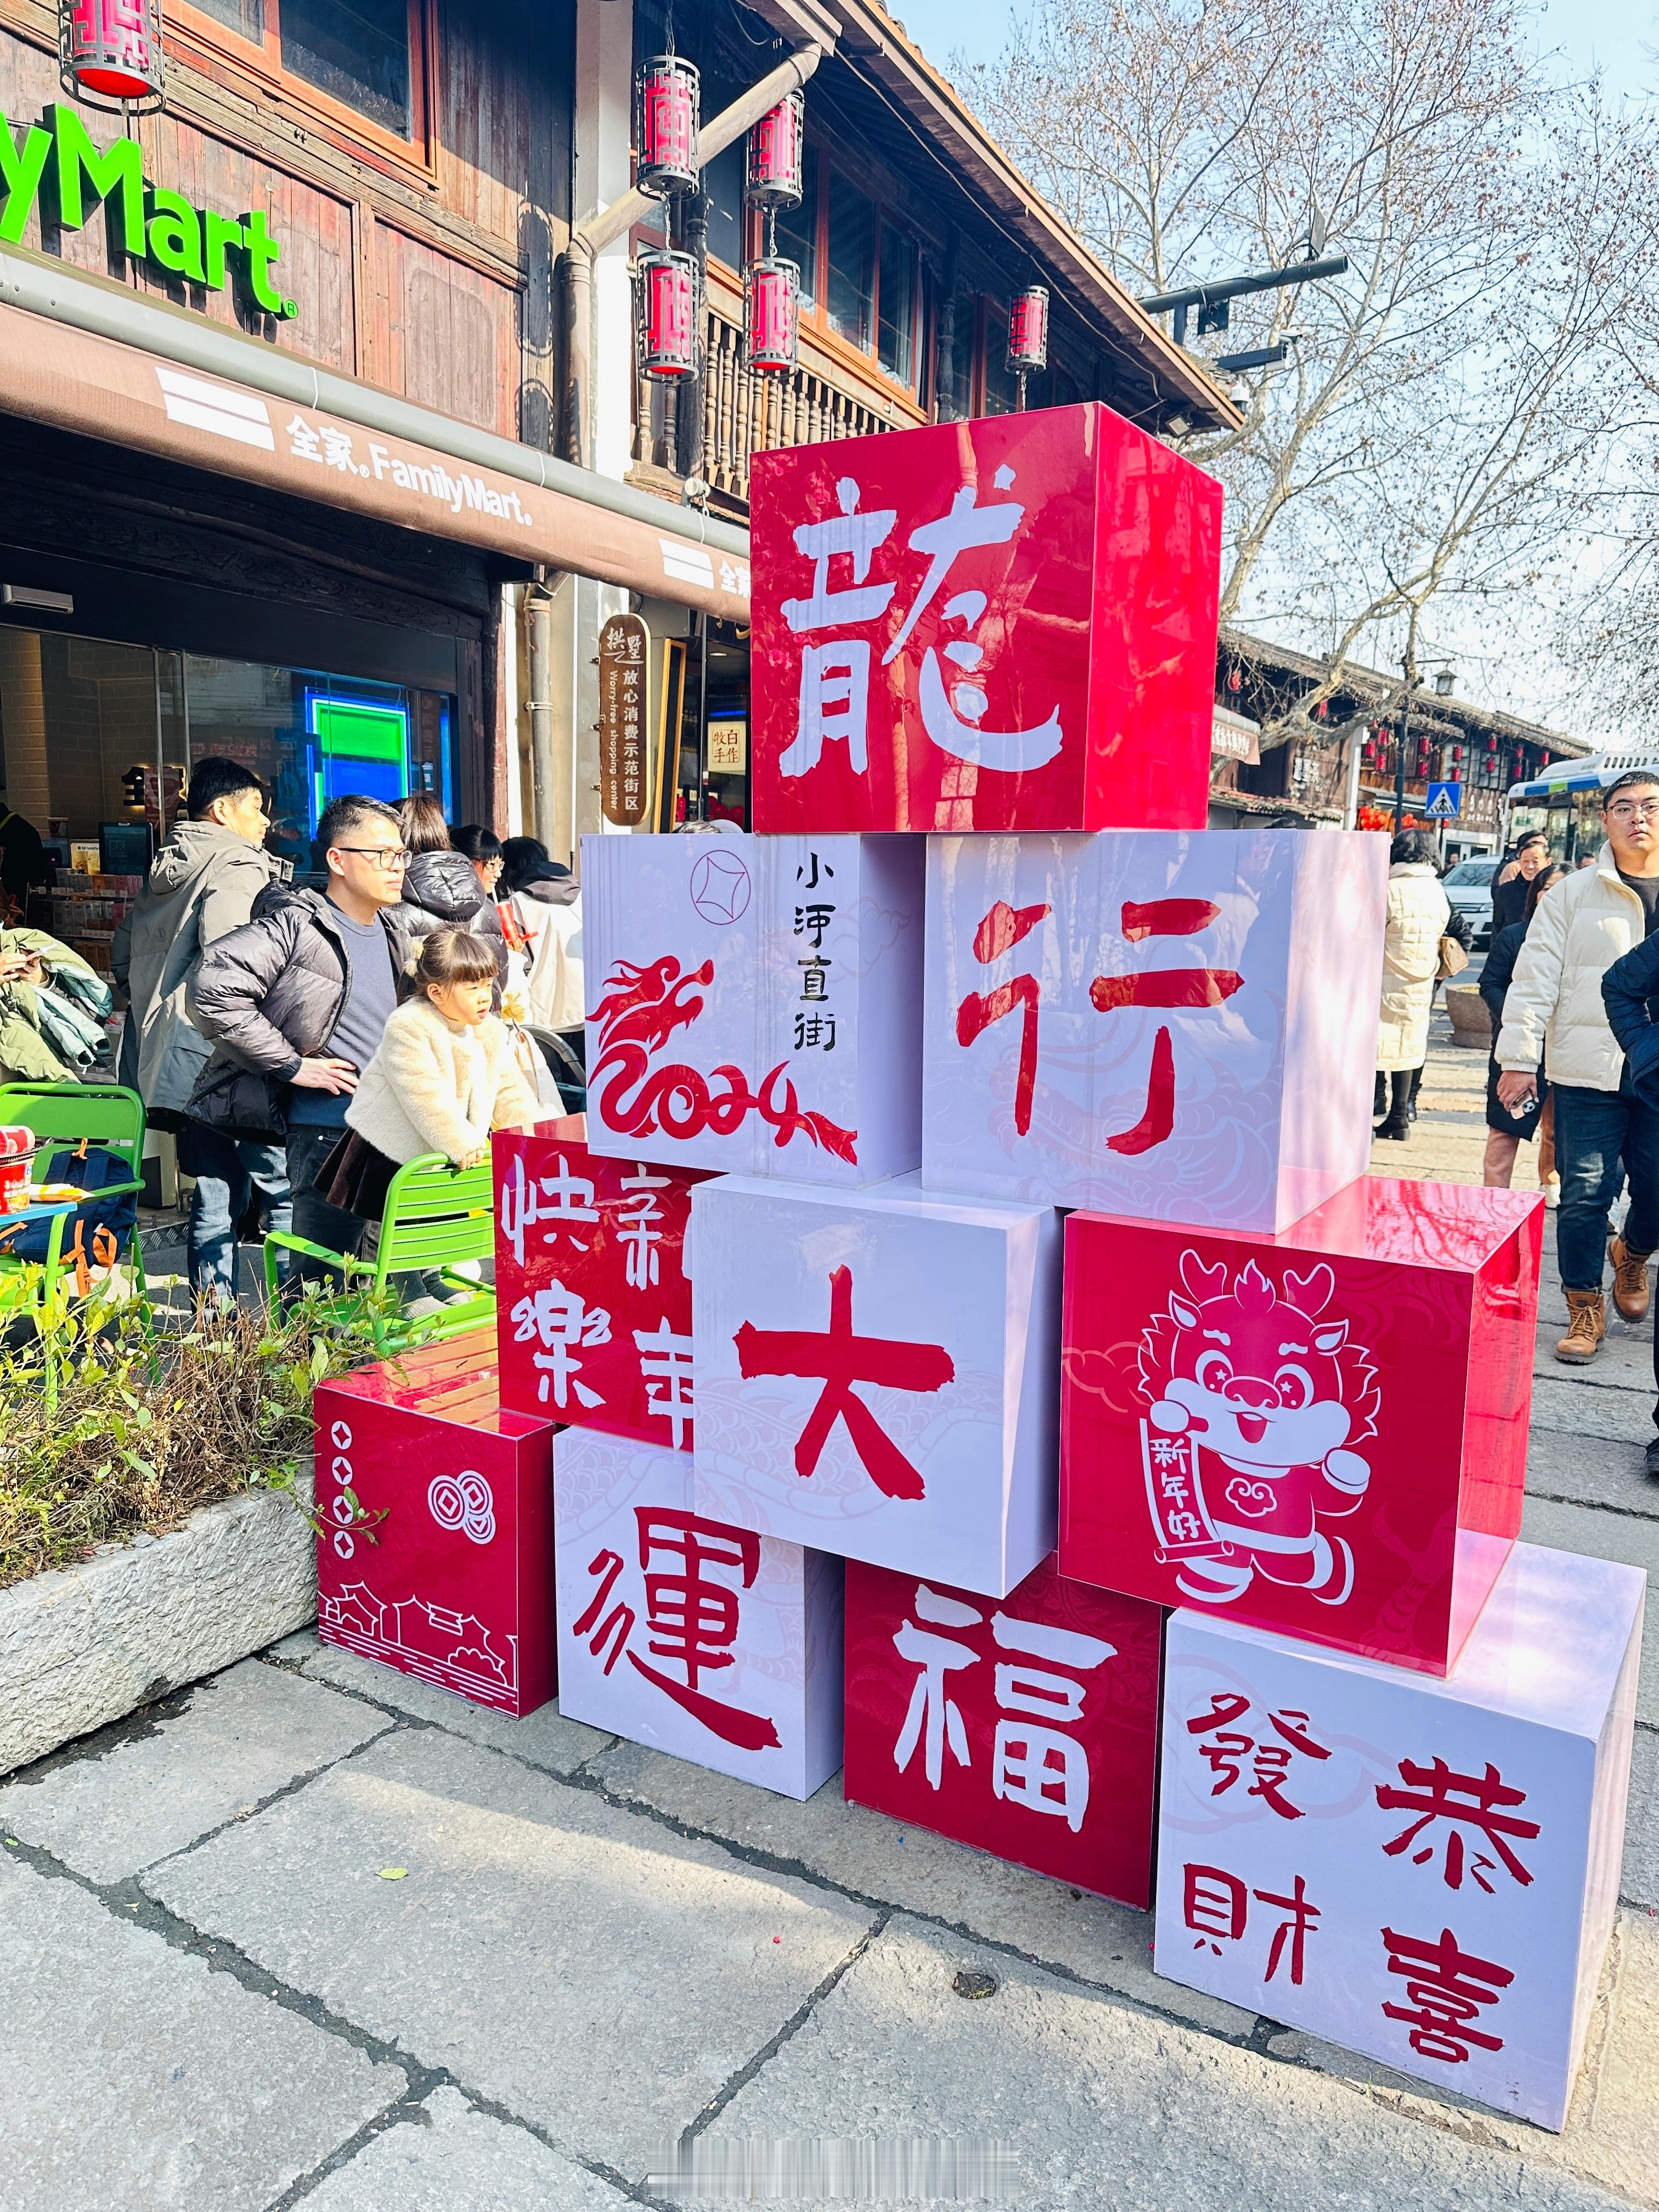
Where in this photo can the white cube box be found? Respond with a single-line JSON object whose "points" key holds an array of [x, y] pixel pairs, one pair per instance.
{"points": [[1177, 1025], [715, 1643], [755, 1003], [878, 1372], [1423, 1870]]}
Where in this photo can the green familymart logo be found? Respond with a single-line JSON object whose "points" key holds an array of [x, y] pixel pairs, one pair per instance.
{"points": [[57, 168]]}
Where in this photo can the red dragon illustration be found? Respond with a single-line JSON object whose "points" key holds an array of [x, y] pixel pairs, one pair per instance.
{"points": [[644, 1006]]}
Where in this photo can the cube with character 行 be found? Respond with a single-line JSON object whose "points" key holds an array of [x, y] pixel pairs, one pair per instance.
{"points": [[1424, 1871], [1323, 1432], [688, 1634], [1178, 1026], [754, 1003], [435, 1553], [1007, 623], [593, 1307], [1027, 1727], [877, 1373]]}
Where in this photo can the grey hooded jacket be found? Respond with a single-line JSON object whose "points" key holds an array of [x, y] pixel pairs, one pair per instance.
{"points": [[202, 885]]}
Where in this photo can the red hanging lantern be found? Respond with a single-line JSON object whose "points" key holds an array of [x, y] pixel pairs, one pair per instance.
{"points": [[667, 125], [668, 318], [1028, 330], [109, 52], [771, 314], [776, 154]]}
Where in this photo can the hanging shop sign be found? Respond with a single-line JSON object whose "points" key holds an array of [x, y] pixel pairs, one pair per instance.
{"points": [[624, 655], [59, 168], [728, 747]]}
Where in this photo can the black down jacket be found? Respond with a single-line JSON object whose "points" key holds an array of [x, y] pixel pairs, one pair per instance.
{"points": [[267, 996], [443, 892]]}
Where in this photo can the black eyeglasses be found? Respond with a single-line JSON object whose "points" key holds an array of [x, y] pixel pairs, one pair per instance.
{"points": [[387, 855]]}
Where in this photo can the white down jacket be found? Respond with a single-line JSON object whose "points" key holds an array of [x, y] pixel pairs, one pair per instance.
{"points": [[1553, 1012], [1418, 911]]}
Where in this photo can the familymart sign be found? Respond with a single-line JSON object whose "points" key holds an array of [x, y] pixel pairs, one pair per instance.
{"points": [[57, 168]]}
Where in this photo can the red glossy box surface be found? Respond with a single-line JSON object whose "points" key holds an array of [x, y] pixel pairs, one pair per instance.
{"points": [[1323, 1432], [1003, 624], [1026, 1726], [456, 1493]]}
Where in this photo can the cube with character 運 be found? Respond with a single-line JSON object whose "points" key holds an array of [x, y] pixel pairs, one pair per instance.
{"points": [[1008, 624], [1183, 1027], [695, 1636], [754, 1003], [1028, 1727], [593, 1305], [877, 1374], [435, 1553], [1424, 1871], [1323, 1432]]}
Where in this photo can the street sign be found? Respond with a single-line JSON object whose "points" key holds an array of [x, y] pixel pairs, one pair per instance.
{"points": [[624, 650], [1445, 800]]}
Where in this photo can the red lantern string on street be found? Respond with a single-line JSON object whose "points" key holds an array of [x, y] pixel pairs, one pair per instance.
{"points": [[668, 319], [109, 52], [771, 313], [1028, 330], [777, 155], [667, 122]]}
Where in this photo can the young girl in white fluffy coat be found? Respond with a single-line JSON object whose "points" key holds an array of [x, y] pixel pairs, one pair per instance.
{"points": [[444, 1076]]}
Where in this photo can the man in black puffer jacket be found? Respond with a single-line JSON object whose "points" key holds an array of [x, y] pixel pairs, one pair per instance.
{"points": [[295, 1003]]}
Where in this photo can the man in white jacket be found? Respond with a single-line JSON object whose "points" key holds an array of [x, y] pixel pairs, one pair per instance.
{"points": [[1554, 1013]]}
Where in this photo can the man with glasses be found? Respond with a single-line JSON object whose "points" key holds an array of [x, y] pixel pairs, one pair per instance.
{"points": [[1604, 1131], [296, 1001]]}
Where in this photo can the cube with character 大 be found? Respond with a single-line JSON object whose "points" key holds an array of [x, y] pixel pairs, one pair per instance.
{"points": [[1007, 623], [1181, 1026], [1027, 1727], [754, 1003], [1423, 1870], [688, 1634]]}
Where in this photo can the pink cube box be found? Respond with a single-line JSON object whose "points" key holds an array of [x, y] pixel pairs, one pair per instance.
{"points": [[754, 1003], [456, 1494], [690, 1635], [1028, 1729], [1322, 1433], [593, 1309], [1178, 1027], [1422, 1871], [1003, 624]]}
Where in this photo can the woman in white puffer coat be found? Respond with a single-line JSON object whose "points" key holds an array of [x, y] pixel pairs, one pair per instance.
{"points": [[1418, 911]]}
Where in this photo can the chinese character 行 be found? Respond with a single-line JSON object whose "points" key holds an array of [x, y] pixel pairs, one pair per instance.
{"points": [[1167, 988]]}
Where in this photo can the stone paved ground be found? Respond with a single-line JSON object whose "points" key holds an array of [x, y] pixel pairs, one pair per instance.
{"points": [[211, 1997]]}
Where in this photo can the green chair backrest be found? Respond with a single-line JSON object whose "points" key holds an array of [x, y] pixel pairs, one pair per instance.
{"points": [[436, 1216], [104, 1113]]}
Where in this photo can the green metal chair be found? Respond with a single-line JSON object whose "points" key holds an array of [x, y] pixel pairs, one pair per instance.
{"points": [[63, 1116], [437, 1216]]}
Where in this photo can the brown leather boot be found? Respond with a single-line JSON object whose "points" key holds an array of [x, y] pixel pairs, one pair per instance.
{"points": [[1630, 1279], [1586, 1324]]}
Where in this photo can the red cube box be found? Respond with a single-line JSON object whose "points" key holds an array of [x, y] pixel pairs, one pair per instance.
{"points": [[1323, 1432], [1003, 624], [592, 1306], [1026, 1726], [436, 1552]]}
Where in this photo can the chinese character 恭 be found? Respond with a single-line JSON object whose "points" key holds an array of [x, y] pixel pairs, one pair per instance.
{"points": [[1001, 929], [1435, 1793], [1447, 1987], [839, 1358]]}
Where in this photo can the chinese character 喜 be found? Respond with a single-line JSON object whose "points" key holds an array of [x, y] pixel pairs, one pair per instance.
{"points": [[1448, 1988]]}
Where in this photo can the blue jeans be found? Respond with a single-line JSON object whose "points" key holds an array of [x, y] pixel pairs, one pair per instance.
{"points": [[1596, 1130], [229, 1172]]}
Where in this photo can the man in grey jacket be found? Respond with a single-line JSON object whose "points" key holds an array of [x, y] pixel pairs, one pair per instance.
{"points": [[202, 885]]}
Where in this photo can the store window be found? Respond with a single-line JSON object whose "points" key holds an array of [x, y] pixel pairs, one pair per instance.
{"points": [[363, 54], [849, 287], [896, 328], [798, 232]]}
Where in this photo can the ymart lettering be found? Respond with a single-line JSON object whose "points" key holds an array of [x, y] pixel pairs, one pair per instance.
{"points": [[57, 165]]}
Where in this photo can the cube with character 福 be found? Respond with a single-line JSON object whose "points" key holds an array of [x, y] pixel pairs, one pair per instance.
{"points": [[1008, 624], [877, 1374], [436, 1550], [1424, 1871], [1181, 1027], [593, 1309], [754, 1003], [1028, 1727], [1323, 1432], [688, 1634]]}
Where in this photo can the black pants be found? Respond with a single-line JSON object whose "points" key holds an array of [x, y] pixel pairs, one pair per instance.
{"points": [[1395, 1091], [314, 1219]]}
